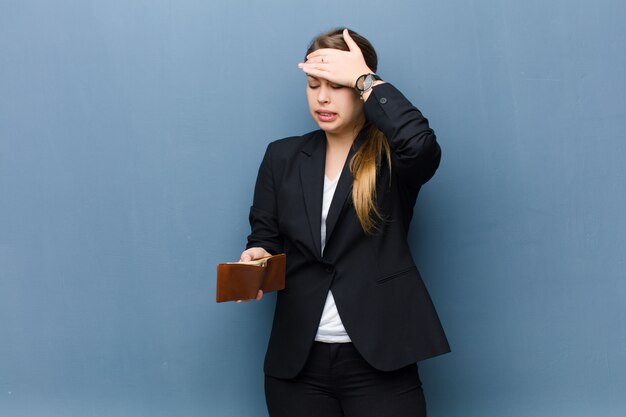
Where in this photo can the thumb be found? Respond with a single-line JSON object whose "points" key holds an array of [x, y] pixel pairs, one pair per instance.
{"points": [[349, 41]]}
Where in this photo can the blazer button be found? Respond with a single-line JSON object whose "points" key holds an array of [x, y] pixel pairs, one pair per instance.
{"points": [[329, 269], [382, 100]]}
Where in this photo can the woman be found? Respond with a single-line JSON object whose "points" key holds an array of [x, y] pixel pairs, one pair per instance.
{"points": [[355, 315]]}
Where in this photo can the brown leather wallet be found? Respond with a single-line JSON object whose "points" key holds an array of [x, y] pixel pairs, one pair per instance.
{"points": [[243, 280]]}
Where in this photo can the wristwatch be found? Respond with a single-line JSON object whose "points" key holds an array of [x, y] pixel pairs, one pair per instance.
{"points": [[365, 82]]}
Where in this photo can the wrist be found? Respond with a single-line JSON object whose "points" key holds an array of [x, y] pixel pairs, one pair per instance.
{"points": [[367, 94]]}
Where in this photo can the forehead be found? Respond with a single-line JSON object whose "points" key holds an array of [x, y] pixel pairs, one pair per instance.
{"points": [[316, 79]]}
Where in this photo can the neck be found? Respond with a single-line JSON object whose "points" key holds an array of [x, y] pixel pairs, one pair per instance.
{"points": [[337, 150], [338, 142], [343, 140]]}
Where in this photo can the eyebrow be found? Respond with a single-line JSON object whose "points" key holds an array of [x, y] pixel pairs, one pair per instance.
{"points": [[312, 78]]}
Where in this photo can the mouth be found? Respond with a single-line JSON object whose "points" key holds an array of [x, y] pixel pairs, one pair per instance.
{"points": [[326, 116]]}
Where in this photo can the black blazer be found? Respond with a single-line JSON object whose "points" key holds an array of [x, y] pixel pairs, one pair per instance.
{"points": [[380, 296]]}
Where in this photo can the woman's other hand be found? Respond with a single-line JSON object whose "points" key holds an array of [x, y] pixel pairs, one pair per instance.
{"points": [[337, 66], [253, 254]]}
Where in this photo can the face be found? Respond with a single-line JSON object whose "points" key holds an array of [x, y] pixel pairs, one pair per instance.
{"points": [[338, 110]]}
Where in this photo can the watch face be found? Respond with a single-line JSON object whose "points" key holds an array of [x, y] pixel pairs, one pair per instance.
{"points": [[359, 83], [367, 82], [364, 82]]}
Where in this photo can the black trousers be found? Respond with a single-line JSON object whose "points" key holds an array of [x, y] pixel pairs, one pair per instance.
{"points": [[337, 382]]}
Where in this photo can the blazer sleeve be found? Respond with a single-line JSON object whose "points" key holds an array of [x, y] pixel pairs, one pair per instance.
{"points": [[415, 151], [264, 211]]}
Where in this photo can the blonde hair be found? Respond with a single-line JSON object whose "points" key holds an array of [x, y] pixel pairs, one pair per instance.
{"points": [[366, 161]]}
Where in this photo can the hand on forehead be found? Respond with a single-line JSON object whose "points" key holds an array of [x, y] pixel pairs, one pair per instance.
{"points": [[336, 66]]}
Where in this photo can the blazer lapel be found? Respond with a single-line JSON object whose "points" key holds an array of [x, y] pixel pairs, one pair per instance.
{"points": [[312, 181], [344, 189]]}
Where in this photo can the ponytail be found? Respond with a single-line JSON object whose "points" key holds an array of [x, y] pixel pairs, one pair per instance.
{"points": [[364, 166]]}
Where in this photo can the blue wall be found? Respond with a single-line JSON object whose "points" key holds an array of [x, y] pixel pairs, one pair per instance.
{"points": [[130, 136]]}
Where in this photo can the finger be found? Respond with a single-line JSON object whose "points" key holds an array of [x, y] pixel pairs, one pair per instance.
{"points": [[323, 51], [317, 73], [312, 65], [245, 257], [259, 295], [307, 68], [349, 41], [320, 59]]}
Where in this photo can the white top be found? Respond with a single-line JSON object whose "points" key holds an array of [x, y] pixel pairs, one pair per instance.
{"points": [[331, 328]]}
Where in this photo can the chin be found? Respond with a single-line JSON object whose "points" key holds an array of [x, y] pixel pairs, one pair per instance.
{"points": [[328, 129]]}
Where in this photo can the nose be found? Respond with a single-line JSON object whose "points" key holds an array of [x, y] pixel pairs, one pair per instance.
{"points": [[323, 95]]}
